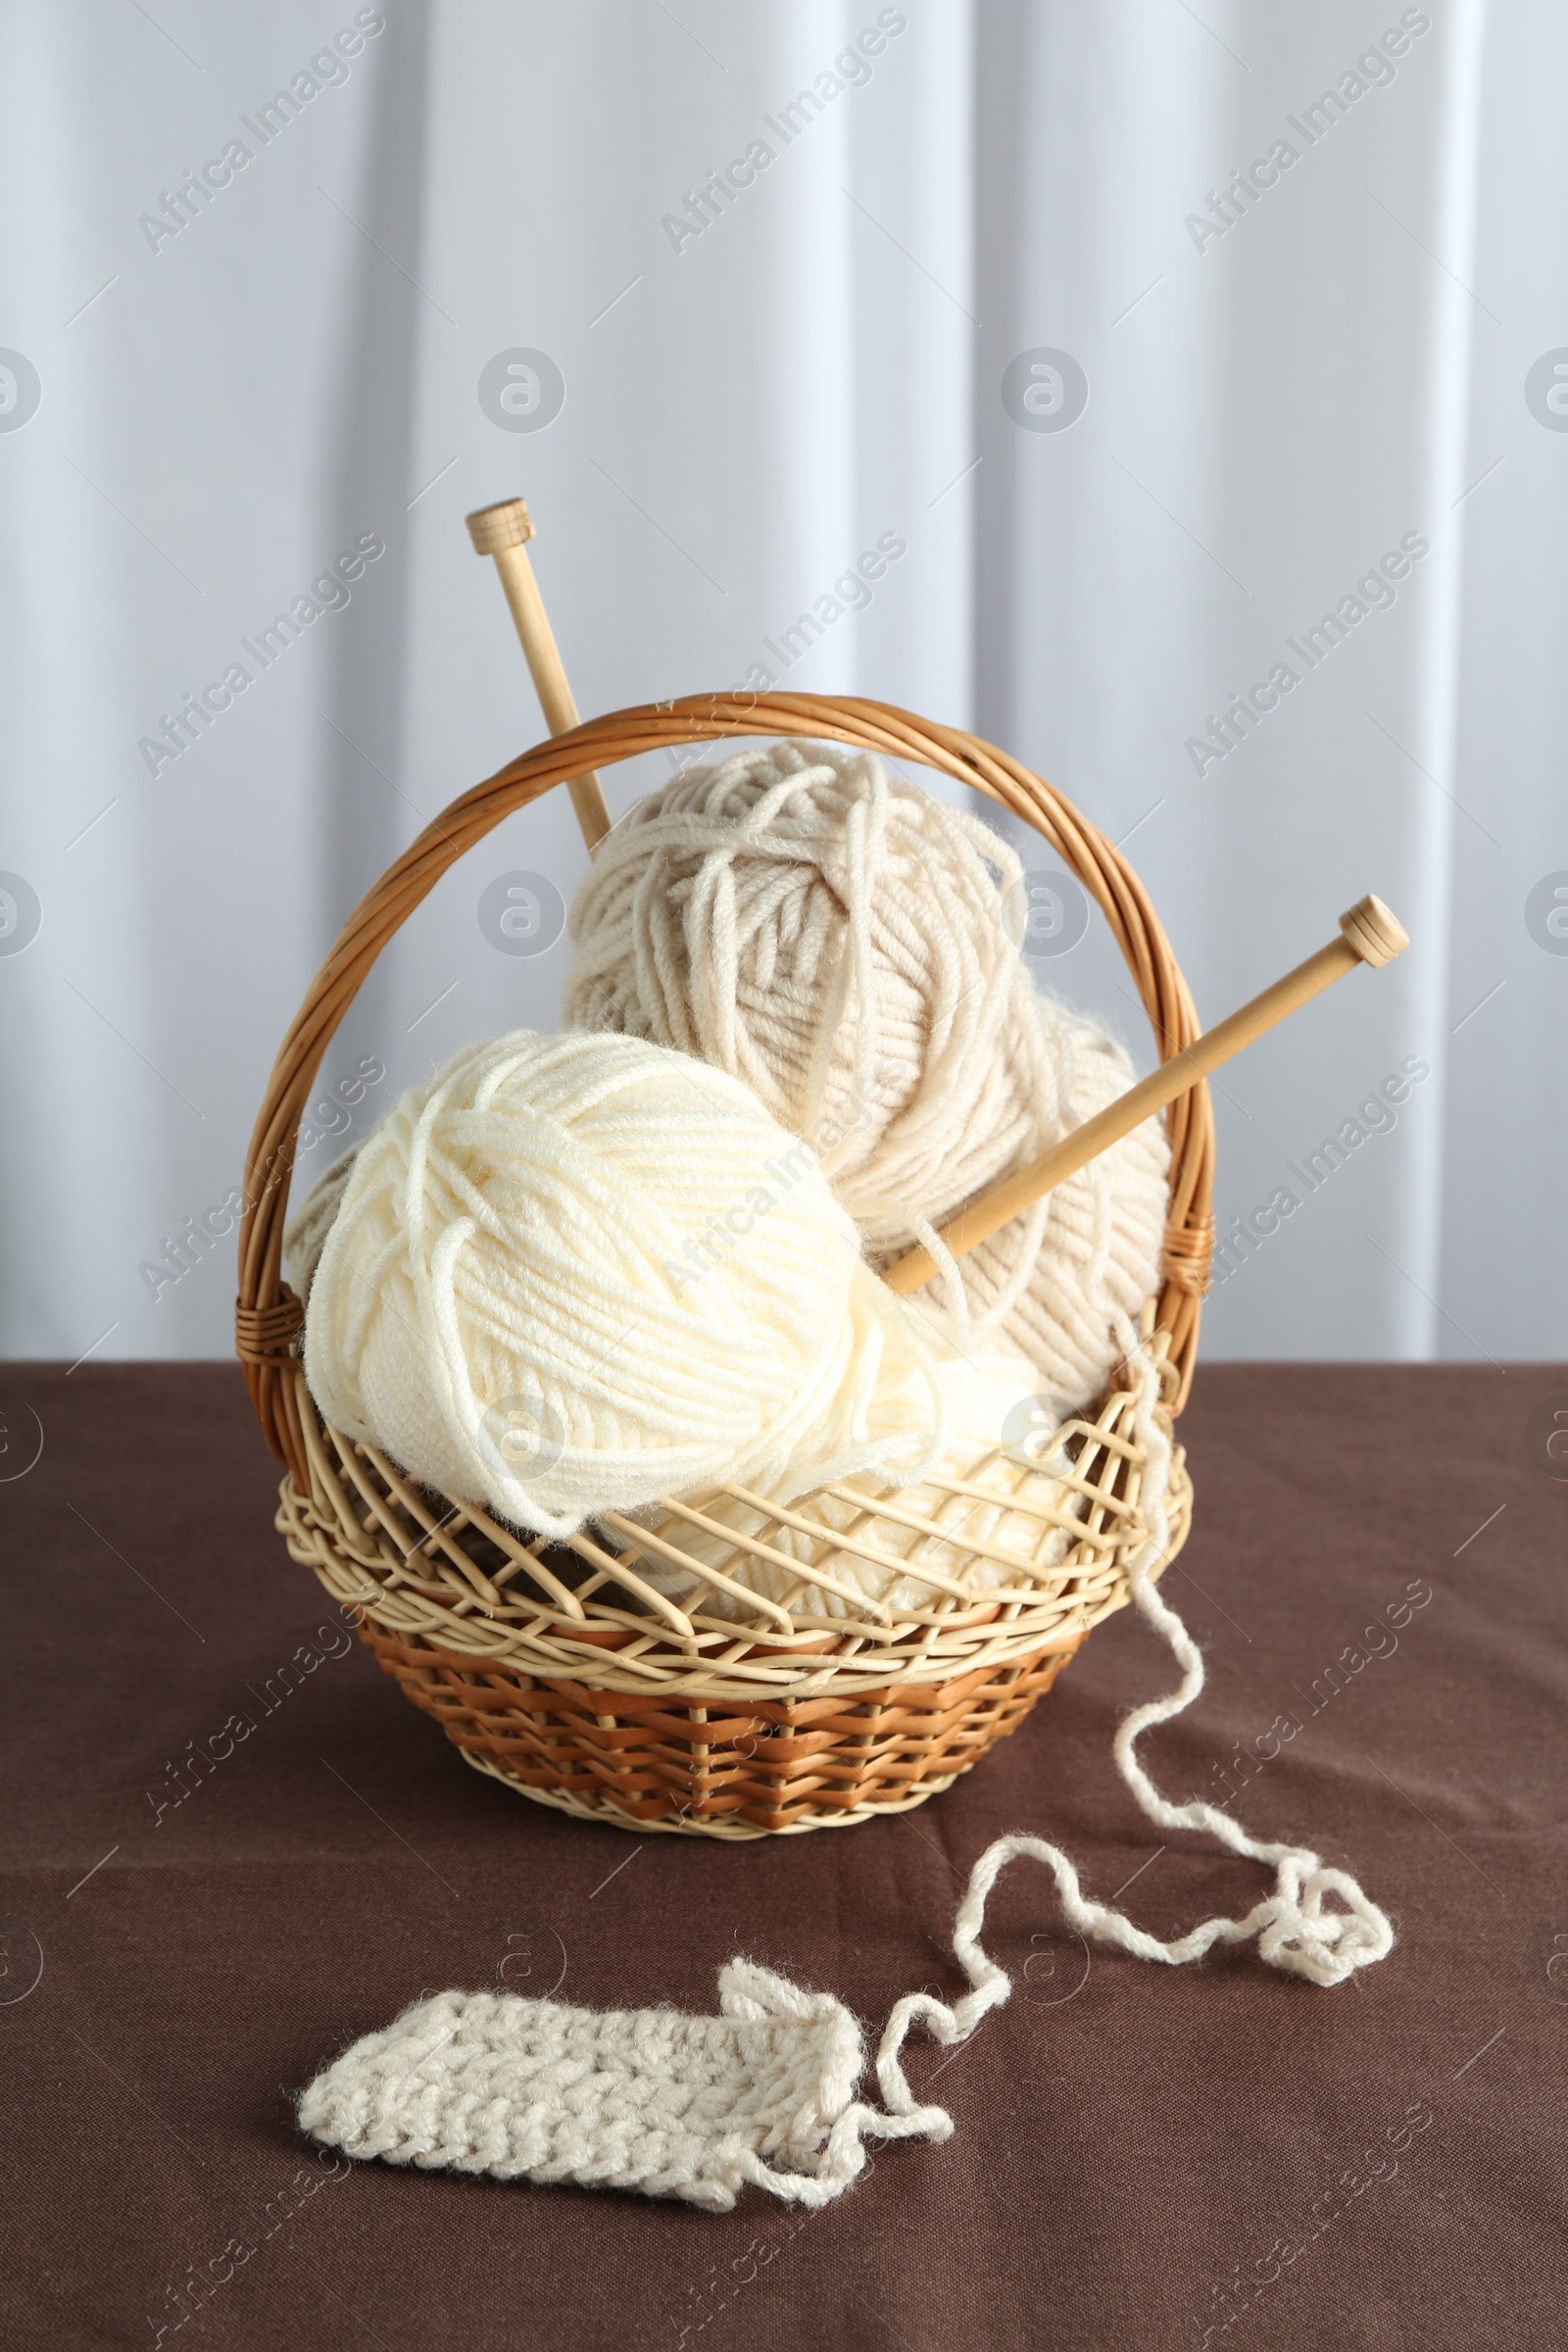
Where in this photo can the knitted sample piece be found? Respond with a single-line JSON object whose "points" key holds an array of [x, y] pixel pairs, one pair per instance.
{"points": [[648, 2099]]}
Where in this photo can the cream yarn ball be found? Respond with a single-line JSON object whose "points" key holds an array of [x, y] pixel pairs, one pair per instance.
{"points": [[578, 1273], [849, 946]]}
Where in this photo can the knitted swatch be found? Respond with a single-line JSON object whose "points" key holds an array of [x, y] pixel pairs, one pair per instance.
{"points": [[648, 2099]]}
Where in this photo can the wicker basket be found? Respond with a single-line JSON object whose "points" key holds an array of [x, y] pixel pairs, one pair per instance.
{"points": [[625, 1677]]}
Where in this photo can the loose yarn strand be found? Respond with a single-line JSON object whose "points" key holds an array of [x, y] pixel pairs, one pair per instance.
{"points": [[1293, 1931]]}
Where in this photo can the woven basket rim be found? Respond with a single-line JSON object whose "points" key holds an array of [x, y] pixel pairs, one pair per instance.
{"points": [[459, 1583], [268, 1317], [705, 1736]]}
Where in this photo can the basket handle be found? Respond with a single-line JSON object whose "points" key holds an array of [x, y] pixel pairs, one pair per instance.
{"points": [[268, 1317]]}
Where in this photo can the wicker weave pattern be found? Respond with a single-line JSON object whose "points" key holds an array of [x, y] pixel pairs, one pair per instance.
{"points": [[561, 1672], [735, 1772]]}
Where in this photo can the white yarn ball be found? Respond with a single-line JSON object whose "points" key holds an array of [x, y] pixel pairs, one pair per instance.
{"points": [[578, 1273], [849, 945]]}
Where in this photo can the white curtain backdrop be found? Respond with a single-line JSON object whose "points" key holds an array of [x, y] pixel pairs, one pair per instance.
{"points": [[213, 391]]}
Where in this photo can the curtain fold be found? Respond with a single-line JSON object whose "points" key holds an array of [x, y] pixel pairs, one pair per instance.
{"points": [[1167, 366]]}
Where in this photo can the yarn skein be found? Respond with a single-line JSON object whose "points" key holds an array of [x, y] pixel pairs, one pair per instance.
{"points": [[849, 946], [579, 1273]]}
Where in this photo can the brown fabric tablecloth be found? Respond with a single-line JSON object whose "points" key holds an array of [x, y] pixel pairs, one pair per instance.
{"points": [[1141, 2154]]}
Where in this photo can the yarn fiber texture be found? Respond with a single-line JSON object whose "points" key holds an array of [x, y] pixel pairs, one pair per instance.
{"points": [[849, 946], [578, 1273], [650, 2100]]}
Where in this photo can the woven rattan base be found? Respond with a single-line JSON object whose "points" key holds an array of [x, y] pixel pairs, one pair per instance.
{"points": [[773, 1767], [652, 1687]]}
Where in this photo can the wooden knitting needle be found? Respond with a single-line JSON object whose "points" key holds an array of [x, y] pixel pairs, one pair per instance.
{"points": [[1368, 934], [503, 531]]}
